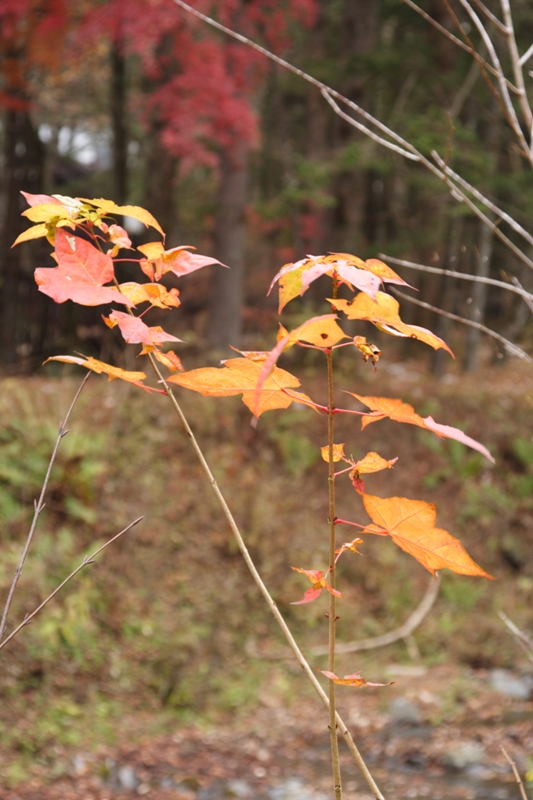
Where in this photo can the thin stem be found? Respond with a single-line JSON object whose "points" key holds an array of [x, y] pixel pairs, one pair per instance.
{"points": [[88, 560], [38, 506], [516, 774], [511, 348], [332, 571], [262, 588]]}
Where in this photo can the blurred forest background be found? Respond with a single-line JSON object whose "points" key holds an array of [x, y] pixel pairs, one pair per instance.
{"points": [[146, 105]]}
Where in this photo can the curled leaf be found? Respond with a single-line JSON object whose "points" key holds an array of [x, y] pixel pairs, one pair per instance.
{"points": [[403, 412], [112, 372], [372, 462], [351, 680], [384, 313], [135, 331]]}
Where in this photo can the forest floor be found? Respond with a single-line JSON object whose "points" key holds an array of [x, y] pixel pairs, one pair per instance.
{"points": [[158, 673]]}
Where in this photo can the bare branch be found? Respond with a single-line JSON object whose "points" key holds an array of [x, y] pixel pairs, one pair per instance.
{"points": [[522, 639], [492, 17], [511, 348], [515, 772], [327, 95], [528, 299], [527, 55], [485, 200], [456, 192], [38, 506], [468, 48], [517, 68], [87, 560], [405, 630], [504, 91], [516, 289]]}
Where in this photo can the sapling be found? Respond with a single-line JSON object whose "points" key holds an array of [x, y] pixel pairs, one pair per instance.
{"points": [[85, 274]]}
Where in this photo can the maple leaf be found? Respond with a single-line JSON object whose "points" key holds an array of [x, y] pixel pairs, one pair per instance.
{"points": [[154, 293], [403, 412], [351, 680], [318, 581], [80, 275], [320, 331], [109, 207], [169, 359], [135, 331], [372, 462], [112, 372], [338, 452], [179, 260], [240, 376], [411, 525], [383, 313], [40, 199], [295, 279]]}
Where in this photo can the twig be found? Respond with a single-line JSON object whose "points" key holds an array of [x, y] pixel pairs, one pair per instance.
{"points": [[455, 40], [332, 93], [465, 276], [522, 639], [492, 17], [332, 620], [513, 349], [38, 506], [405, 630], [326, 94], [504, 91], [485, 200], [528, 299], [515, 772], [262, 587], [517, 67], [87, 560]]}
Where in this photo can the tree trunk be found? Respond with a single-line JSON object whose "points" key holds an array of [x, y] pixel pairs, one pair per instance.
{"points": [[448, 288], [23, 171], [478, 297], [118, 123], [225, 307]]}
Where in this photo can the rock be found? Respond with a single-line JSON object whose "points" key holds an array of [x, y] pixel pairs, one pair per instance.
{"points": [[226, 790], [464, 755], [404, 712], [506, 682], [127, 778], [294, 789]]}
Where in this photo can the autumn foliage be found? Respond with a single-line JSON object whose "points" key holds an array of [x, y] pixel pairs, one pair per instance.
{"points": [[86, 242]]}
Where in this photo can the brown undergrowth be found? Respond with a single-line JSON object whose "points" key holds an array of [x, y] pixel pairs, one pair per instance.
{"points": [[168, 625]]}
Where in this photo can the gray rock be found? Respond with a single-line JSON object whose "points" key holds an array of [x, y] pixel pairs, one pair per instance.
{"points": [[294, 789], [127, 778], [464, 755], [511, 685], [226, 790], [404, 712]]}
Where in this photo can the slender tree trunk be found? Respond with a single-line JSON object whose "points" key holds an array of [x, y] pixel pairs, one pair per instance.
{"points": [[448, 288], [23, 171], [118, 123], [478, 297], [227, 294]]}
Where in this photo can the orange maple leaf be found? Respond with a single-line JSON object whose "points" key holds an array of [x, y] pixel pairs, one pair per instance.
{"points": [[240, 376], [411, 525], [403, 412], [383, 313], [351, 680], [112, 372]]}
